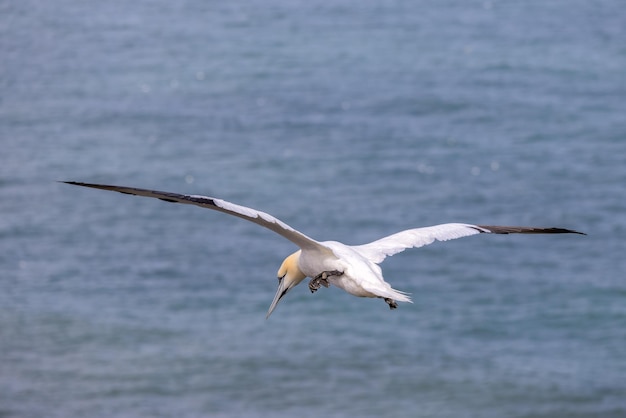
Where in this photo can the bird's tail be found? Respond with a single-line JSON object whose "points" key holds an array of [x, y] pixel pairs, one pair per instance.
{"points": [[399, 296]]}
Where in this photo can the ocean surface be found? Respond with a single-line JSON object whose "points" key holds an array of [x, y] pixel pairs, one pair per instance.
{"points": [[349, 121]]}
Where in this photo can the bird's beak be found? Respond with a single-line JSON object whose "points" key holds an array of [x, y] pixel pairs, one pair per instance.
{"points": [[283, 288]]}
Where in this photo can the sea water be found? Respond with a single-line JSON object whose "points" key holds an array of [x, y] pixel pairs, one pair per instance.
{"points": [[349, 121]]}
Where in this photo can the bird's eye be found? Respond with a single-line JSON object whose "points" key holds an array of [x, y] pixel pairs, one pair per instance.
{"points": [[280, 279]]}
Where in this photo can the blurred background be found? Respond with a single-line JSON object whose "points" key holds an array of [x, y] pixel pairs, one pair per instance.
{"points": [[349, 121]]}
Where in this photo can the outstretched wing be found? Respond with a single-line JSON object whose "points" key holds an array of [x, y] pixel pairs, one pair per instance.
{"points": [[378, 250], [260, 218]]}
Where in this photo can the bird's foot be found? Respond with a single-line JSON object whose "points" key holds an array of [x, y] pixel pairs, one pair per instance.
{"points": [[322, 280], [392, 303]]}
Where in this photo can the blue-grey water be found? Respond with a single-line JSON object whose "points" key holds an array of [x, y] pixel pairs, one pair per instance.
{"points": [[349, 121]]}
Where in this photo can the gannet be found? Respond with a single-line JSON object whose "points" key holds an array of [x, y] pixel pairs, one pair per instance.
{"points": [[353, 268]]}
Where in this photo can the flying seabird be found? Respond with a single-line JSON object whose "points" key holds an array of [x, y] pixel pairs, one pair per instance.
{"points": [[353, 268]]}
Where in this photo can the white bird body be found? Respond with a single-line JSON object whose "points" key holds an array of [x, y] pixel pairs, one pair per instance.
{"points": [[354, 269], [361, 276]]}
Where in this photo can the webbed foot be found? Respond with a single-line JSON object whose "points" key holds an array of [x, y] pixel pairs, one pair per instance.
{"points": [[322, 280], [316, 283], [392, 303]]}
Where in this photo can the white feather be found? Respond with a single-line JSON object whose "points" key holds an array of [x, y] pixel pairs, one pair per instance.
{"points": [[378, 250]]}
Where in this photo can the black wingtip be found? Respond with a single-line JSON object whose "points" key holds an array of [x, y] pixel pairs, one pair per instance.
{"points": [[75, 183], [96, 186], [563, 231], [571, 231], [80, 183], [526, 230]]}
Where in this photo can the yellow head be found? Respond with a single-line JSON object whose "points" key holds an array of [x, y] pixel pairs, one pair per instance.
{"points": [[289, 275]]}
